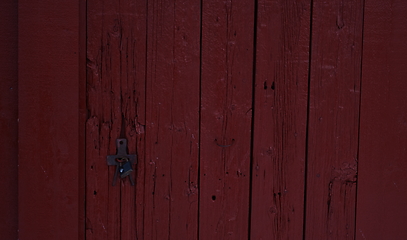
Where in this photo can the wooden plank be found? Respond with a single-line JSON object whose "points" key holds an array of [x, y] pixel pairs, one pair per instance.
{"points": [[135, 29], [280, 118], [49, 157], [8, 119], [333, 119], [103, 91], [83, 114], [116, 103], [226, 115], [382, 185], [172, 120]]}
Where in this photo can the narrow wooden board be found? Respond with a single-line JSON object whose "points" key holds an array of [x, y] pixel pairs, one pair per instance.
{"points": [[8, 119], [226, 118], [133, 85], [280, 118], [172, 120], [116, 50], [382, 185], [102, 199], [333, 119], [48, 97]]}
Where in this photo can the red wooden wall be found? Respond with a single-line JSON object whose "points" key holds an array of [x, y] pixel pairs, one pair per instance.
{"points": [[264, 119]]}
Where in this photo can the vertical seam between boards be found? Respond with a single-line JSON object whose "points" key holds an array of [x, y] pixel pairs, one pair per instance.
{"points": [[255, 12], [84, 104], [199, 122], [307, 123], [145, 117], [359, 115]]}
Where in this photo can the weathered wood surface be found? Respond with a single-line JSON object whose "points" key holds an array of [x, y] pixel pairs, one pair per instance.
{"points": [[116, 49], [244, 116], [280, 118], [250, 119], [50, 202], [333, 120], [382, 185], [8, 119], [172, 120], [226, 118]]}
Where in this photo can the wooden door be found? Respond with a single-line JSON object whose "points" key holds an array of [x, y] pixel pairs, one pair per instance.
{"points": [[269, 119], [244, 115]]}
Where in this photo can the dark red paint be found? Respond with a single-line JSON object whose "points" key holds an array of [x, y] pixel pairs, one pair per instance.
{"points": [[382, 186], [251, 119], [333, 121], [172, 120], [8, 119], [280, 118], [116, 49], [49, 157], [226, 118]]}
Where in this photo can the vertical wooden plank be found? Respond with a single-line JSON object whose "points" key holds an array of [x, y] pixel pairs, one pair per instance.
{"points": [[8, 119], [382, 184], [49, 157], [104, 95], [83, 112], [226, 115], [116, 50], [172, 120], [133, 75], [333, 119], [280, 118]]}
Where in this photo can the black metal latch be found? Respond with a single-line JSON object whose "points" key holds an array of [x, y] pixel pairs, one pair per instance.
{"points": [[122, 161]]}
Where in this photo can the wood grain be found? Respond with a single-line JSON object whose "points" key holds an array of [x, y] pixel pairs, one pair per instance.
{"points": [[172, 120], [249, 119], [116, 50], [280, 118], [49, 158], [382, 185], [8, 119], [333, 119], [226, 115]]}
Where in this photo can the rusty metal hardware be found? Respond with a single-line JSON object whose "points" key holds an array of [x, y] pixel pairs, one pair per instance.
{"points": [[122, 160]]}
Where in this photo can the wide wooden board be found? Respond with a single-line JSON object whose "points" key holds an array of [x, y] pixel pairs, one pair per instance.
{"points": [[226, 118], [333, 121], [172, 120], [280, 118], [382, 185], [50, 133], [116, 50]]}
